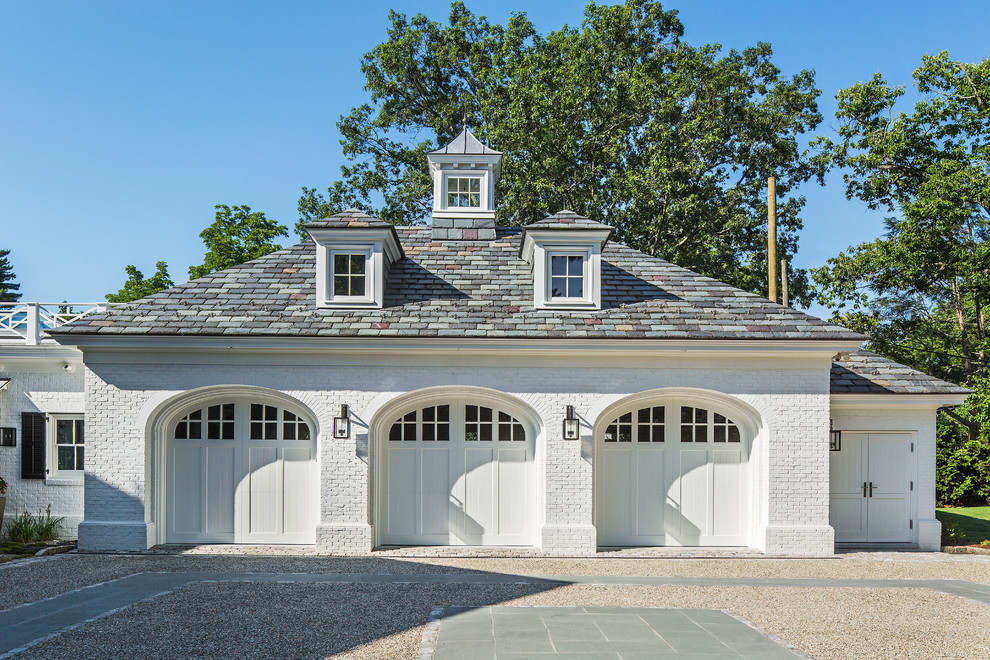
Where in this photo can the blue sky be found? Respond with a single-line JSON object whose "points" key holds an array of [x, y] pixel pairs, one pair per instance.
{"points": [[122, 123]]}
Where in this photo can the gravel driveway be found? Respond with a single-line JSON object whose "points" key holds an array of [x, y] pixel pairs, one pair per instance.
{"points": [[313, 620]]}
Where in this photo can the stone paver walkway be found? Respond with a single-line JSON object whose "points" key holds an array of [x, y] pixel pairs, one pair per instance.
{"points": [[29, 624], [599, 633]]}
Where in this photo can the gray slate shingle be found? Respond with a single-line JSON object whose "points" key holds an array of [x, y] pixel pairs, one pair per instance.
{"points": [[864, 372]]}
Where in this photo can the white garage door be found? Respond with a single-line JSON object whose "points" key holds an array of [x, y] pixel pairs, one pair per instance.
{"points": [[457, 473], [241, 471], [672, 474]]}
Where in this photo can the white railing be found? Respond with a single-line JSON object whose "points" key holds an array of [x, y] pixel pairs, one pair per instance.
{"points": [[31, 320]]}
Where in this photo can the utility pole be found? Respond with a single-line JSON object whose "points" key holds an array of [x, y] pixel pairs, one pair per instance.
{"points": [[783, 280], [772, 236]]}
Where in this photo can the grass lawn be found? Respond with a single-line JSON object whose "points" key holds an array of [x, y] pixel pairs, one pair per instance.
{"points": [[15, 550], [965, 525]]}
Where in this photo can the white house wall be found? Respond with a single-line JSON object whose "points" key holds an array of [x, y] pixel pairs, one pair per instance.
{"points": [[40, 385], [854, 413], [790, 477]]}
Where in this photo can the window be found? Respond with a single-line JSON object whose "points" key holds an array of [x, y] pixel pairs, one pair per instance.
{"points": [[349, 274], [464, 192], [567, 276], [68, 445]]}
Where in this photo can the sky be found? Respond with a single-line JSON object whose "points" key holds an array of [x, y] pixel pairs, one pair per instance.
{"points": [[122, 123]]}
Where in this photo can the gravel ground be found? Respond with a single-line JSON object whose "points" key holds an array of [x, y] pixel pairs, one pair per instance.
{"points": [[32, 580], [386, 621]]}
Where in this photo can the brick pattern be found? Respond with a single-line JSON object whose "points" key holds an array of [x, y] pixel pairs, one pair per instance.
{"points": [[45, 387], [120, 398]]}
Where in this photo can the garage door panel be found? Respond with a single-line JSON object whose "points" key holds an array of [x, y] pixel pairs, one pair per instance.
{"points": [[298, 506], [220, 490], [435, 487], [727, 484], [513, 492], [264, 490], [693, 488], [650, 494], [187, 498], [615, 518], [480, 474], [402, 494]]}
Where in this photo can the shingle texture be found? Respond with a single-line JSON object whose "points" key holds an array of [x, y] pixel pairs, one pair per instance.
{"points": [[348, 218], [460, 289], [864, 372], [568, 220]]}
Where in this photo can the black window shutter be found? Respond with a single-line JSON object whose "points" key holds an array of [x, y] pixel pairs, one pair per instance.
{"points": [[33, 443]]}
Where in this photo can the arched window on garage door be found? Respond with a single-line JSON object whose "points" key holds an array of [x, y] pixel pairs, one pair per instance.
{"points": [[241, 470], [673, 472], [457, 472]]}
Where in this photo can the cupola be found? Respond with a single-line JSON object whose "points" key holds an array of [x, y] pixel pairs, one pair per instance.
{"points": [[566, 252], [465, 172]]}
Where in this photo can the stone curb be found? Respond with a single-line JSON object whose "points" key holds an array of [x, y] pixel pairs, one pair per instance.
{"points": [[55, 550], [965, 550]]}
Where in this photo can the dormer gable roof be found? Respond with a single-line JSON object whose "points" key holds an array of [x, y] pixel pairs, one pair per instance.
{"points": [[567, 220], [465, 143], [561, 224], [348, 218]]}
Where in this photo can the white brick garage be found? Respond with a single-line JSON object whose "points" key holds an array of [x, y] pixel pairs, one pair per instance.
{"points": [[788, 476]]}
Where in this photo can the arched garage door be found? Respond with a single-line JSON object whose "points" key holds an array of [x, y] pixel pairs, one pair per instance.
{"points": [[457, 472], [241, 470], [674, 472]]}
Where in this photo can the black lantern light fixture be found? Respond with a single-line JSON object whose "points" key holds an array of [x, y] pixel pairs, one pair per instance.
{"points": [[571, 425], [342, 424], [834, 438]]}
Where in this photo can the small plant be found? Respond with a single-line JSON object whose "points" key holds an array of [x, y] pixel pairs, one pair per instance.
{"points": [[26, 528], [952, 533], [3, 487]]}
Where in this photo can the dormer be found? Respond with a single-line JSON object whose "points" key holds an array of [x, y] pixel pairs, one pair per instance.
{"points": [[565, 250], [354, 252], [464, 176]]}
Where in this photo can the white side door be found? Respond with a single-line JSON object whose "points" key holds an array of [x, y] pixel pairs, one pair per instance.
{"points": [[848, 488]]}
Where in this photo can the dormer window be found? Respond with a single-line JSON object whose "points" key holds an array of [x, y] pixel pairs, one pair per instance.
{"points": [[567, 276], [349, 274], [354, 252], [463, 191], [566, 252]]}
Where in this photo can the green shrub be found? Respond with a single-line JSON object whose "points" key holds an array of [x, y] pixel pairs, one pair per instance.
{"points": [[26, 528], [952, 534], [962, 474]]}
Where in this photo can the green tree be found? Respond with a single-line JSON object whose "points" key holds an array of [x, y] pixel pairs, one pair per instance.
{"points": [[619, 119], [137, 286], [237, 235], [8, 287], [921, 290]]}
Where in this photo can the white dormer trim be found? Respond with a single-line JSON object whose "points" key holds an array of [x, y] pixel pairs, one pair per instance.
{"points": [[539, 248], [376, 244]]}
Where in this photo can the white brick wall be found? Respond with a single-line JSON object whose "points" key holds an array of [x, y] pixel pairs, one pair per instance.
{"points": [[39, 385], [790, 468]]}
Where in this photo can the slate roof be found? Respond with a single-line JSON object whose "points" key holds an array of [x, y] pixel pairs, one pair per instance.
{"points": [[460, 289], [567, 220], [466, 143], [348, 218], [864, 372]]}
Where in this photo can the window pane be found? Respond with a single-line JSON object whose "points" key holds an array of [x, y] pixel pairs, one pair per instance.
{"points": [[504, 432], [471, 413], [575, 265], [429, 414], [701, 434], [213, 412], [271, 431], [685, 434], [288, 431], [558, 265], [66, 458], [340, 263], [180, 431], [443, 432], [79, 432], [733, 434], [558, 287], [303, 431], [658, 414], [643, 434], [575, 288], [486, 432], [443, 413], [486, 414], [341, 286], [451, 200], [476, 185], [610, 433], [395, 433], [428, 432], [79, 458], [357, 264], [357, 285], [700, 415], [474, 200], [686, 415], [63, 432], [518, 433], [625, 434], [256, 430], [257, 412], [718, 434], [213, 430], [228, 430], [643, 415], [626, 419]]}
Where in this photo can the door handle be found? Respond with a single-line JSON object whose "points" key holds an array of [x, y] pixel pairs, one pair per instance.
{"points": [[871, 488], [864, 489]]}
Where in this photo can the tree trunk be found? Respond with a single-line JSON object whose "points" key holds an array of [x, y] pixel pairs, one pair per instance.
{"points": [[957, 300]]}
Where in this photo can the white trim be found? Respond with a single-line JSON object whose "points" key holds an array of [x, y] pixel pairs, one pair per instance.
{"points": [[53, 475], [371, 254], [590, 276], [900, 400]]}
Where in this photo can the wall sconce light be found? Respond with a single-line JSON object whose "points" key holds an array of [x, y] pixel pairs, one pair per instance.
{"points": [[834, 438], [571, 425], [342, 424]]}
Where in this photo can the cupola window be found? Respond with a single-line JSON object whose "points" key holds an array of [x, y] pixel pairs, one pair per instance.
{"points": [[463, 192]]}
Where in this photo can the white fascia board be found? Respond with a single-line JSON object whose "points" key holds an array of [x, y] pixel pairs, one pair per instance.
{"points": [[850, 400], [825, 349], [561, 237], [330, 236], [13, 353]]}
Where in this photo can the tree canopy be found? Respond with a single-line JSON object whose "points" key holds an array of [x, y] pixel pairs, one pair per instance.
{"points": [[137, 286], [237, 235], [620, 120], [8, 287], [921, 290]]}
